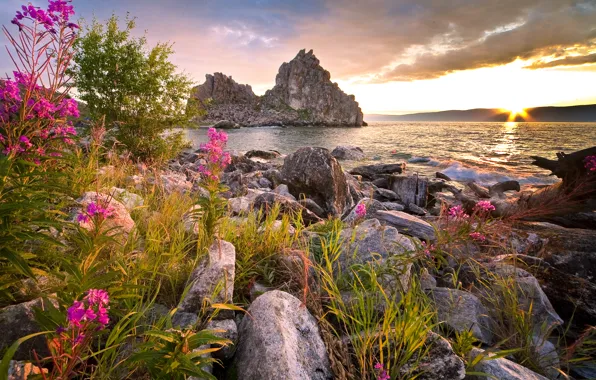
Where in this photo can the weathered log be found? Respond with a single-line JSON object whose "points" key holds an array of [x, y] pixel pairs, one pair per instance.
{"points": [[568, 167], [499, 188], [480, 191], [443, 176]]}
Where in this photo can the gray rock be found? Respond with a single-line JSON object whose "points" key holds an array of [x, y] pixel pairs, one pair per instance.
{"points": [[407, 224], [427, 280], [462, 311], [283, 190], [416, 210], [313, 207], [174, 182], [216, 270], [500, 368], [314, 173], [348, 153], [239, 206], [548, 357], [280, 340], [17, 321], [392, 206], [264, 154], [182, 320], [441, 362], [267, 201], [385, 195], [372, 206], [128, 199], [265, 183], [221, 88], [226, 329], [410, 189], [226, 124], [372, 172]]}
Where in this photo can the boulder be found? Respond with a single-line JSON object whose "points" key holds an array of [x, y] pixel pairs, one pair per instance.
{"points": [[239, 205], [175, 182], [264, 154], [314, 173], [407, 224], [410, 189], [441, 362], [385, 195], [222, 89], [372, 206], [226, 124], [280, 339], [17, 321], [499, 368], [226, 329], [267, 201], [216, 270], [372, 172], [348, 153], [462, 311], [313, 207], [392, 206], [118, 222], [284, 191], [128, 199]]}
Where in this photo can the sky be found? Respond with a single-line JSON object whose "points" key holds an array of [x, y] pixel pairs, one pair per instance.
{"points": [[395, 56]]}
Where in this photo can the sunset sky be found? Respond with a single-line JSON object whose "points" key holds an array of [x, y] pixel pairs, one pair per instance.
{"points": [[395, 56]]}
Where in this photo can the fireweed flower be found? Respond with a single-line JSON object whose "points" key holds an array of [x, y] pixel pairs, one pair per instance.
{"points": [[217, 158], [92, 310], [590, 163], [477, 236], [457, 212], [361, 210], [381, 372], [484, 206], [428, 248], [96, 211]]}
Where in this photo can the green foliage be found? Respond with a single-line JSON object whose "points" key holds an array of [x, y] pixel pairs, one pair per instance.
{"points": [[176, 354], [137, 89], [463, 343]]}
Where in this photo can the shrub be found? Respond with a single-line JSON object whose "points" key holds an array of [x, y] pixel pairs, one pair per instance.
{"points": [[139, 93]]}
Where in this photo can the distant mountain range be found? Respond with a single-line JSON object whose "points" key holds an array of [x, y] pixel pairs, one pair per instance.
{"points": [[583, 113]]}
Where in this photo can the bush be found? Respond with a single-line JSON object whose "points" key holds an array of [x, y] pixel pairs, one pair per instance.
{"points": [[139, 93]]}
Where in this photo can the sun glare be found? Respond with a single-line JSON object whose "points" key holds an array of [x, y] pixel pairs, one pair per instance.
{"points": [[515, 111]]}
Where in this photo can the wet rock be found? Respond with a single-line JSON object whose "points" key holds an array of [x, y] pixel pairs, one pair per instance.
{"points": [[348, 153], [407, 224], [500, 368], [285, 339], [372, 172], [118, 223], [314, 173], [264, 154], [462, 311], [216, 270], [17, 321]]}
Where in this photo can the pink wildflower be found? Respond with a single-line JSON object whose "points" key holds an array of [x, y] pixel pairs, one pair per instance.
{"points": [[590, 163], [428, 248], [484, 206], [477, 236], [381, 372], [361, 210], [457, 212]]}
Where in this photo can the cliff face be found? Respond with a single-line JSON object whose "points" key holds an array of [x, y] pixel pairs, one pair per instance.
{"points": [[303, 95]]}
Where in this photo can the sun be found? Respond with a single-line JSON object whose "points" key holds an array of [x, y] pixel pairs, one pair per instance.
{"points": [[515, 111]]}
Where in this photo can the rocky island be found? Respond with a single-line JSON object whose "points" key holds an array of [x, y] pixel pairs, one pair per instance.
{"points": [[303, 95]]}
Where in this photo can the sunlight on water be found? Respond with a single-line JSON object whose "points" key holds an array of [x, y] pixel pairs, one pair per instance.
{"points": [[484, 152]]}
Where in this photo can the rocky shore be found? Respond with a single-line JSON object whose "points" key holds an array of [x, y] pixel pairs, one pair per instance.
{"points": [[303, 95], [546, 270]]}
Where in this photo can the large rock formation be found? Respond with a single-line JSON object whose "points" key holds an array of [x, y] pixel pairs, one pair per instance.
{"points": [[303, 95]]}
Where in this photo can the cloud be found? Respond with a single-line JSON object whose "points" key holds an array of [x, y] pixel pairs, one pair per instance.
{"points": [[567, 61]]}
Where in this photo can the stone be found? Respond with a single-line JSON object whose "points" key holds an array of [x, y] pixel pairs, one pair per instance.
{"points": [[407, 224], [226, 329], [118, 223], [548, 357], [441, 362], [17, 321], [384, 195], [410, 189], [217, 270], [128, 199], [264, 183], [313, 207], [267, 201], [239, 205], [372, 242], [182, 320], [372, 172], [284, 191], [264, 154], [280, 339], [18, 370], [221, 88], [462, 311], [175, 182], [314, 173], [392, 206], [427, 280], [416, 210], [226, 124], [246, 165], [500, 368], [371, 205], [348, 153]]}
